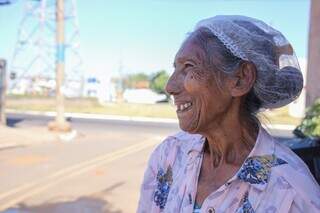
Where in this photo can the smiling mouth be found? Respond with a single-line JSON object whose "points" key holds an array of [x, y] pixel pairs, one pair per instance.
{"points": [[184, 107]]}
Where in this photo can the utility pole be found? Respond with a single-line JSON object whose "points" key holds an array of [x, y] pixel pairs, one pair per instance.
{"points": [[60, 123], [313, 74], [3, 86], [120, 84]]}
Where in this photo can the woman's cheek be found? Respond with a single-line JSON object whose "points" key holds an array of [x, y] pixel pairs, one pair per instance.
{"points": [[191, 82]]}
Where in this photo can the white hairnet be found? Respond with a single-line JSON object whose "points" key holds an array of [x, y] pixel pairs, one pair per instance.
{"points": [[279, 79]]}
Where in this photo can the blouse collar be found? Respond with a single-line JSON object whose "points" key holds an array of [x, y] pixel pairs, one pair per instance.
{"points": [[260, 147], [256, 169]]}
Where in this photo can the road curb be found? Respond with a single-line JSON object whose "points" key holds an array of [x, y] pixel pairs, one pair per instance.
{"points": [[97, 116], [8, 145], [129, 118]]}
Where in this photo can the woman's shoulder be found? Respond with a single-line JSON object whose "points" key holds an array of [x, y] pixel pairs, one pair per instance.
{"points": [[181, 140], [294, 164], [175, 146]]}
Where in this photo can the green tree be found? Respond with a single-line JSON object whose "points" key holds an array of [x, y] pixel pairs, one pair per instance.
{"points": [[159, 81], [310, 125]]}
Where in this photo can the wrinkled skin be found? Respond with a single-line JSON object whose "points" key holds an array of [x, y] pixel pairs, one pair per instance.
{"points": [[213, 110], [192, 82]]}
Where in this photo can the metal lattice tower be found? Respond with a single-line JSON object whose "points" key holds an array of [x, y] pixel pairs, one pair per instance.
{"points": [[36, 51]]}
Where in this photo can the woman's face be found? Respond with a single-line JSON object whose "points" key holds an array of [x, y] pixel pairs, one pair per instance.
{"points": [[200, 102]]}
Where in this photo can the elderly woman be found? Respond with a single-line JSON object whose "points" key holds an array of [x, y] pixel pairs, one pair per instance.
{"points": [[228, 69]]}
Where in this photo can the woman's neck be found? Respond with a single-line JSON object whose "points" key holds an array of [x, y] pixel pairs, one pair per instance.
{"points": [[230, 142]]}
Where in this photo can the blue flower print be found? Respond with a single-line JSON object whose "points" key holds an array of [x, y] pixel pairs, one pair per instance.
{"points": [[164, 180], [256, 169], [246, 206]]}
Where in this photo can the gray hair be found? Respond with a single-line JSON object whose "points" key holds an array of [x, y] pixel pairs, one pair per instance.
{"points": [[219, 58], [279, 79]]}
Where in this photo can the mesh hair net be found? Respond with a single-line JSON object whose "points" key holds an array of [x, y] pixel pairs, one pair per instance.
{"points": [[279, 79]]}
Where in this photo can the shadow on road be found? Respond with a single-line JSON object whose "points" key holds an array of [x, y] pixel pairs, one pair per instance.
{"points": [[11, 147], [85, 204], [11, 122]]}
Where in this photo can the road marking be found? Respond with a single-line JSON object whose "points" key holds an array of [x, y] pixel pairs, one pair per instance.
{"points": [[30, 189]]}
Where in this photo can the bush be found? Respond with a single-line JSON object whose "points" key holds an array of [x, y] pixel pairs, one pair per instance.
{"points": [[310, 125]]}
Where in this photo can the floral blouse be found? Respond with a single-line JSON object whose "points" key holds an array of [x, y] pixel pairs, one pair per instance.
{"points": [[271, 179]]}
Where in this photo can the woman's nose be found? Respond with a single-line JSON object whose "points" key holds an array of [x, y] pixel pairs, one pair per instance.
{"points": [[173, 86]]}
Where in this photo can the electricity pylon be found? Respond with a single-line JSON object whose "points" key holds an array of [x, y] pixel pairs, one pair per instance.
{"points": [[48, 47], [36, 50]]}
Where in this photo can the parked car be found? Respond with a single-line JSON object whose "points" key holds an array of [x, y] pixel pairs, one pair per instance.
{"points": [[143, 96]]}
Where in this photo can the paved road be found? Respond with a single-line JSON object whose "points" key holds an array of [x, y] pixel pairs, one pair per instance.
{"points": [[100, 170], [16, 119]]}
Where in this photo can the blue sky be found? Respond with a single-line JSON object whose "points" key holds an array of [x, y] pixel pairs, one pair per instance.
{"points": [[144, 35]]}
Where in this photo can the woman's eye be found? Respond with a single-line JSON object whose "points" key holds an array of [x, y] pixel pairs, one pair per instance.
{"points": [[187, 65]]}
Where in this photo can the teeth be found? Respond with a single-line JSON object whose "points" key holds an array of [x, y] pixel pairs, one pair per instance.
{"points": [[184, 106]]}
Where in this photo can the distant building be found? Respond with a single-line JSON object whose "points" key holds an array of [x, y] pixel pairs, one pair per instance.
{"points": [[142, 85], [44, 86], [101, 88], [37, 85], [91, 87]]}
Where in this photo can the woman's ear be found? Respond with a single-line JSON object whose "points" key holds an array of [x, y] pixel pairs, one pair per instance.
{"points": [[243, 80]]}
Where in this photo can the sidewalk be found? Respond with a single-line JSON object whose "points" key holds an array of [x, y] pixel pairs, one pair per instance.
{"points": [[23, 136]]}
